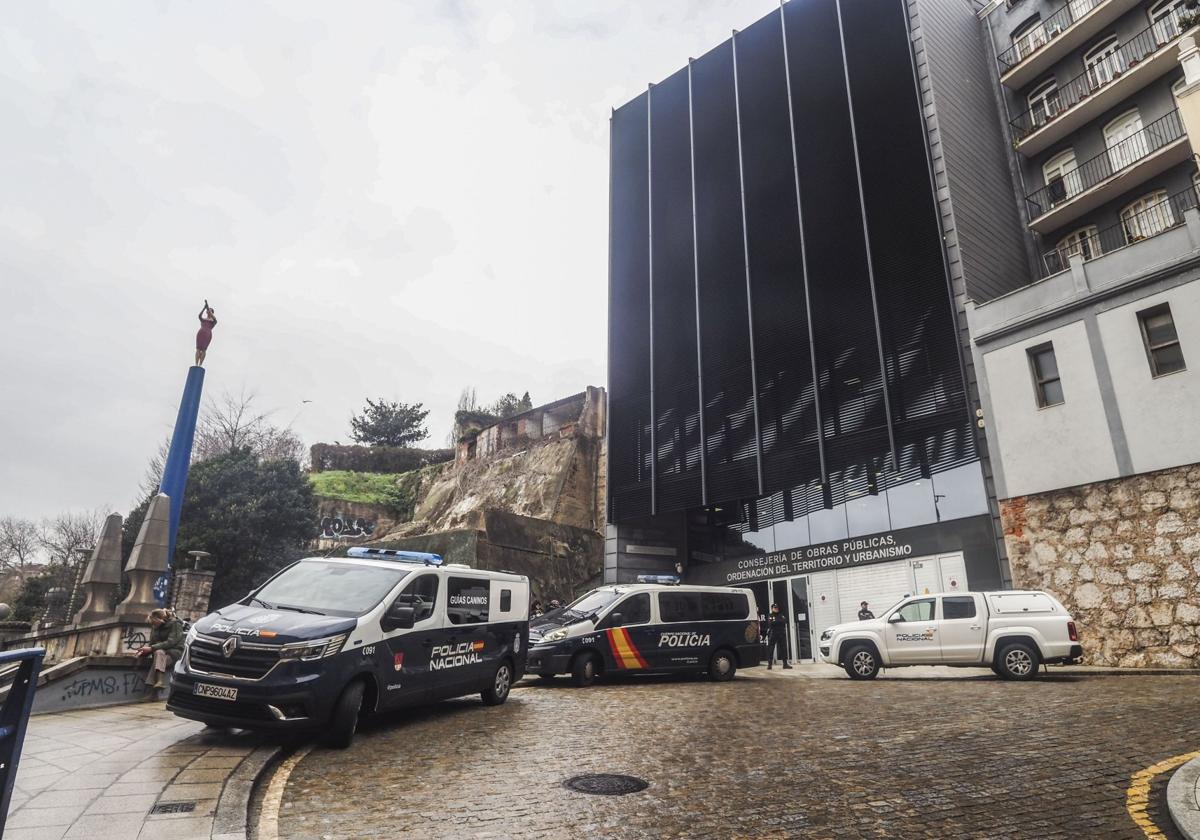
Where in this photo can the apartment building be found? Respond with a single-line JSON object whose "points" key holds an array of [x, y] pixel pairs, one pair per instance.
{"points": [[1087, 372]]}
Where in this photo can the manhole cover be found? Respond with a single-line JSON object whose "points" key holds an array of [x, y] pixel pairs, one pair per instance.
{"points": [[606, 784], [174, 808]]}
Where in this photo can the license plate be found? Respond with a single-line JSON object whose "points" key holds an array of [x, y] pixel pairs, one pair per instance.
{"points": [[218, 691]]}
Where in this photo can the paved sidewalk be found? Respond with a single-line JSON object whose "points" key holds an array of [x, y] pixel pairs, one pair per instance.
{"points": [[98, 773], [1183, 799], [825, 671]]}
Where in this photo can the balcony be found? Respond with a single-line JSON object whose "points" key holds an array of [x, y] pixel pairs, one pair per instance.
{"points": [[1142, 155], [1068, 28], [1142, 59], [1156, 219]]}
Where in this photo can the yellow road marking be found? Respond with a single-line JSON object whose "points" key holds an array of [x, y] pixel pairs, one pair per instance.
{"points": [[268, 818], [1137, 796]]}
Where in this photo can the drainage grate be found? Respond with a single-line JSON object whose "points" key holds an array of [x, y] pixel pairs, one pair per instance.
{"points": [[606, 784], [174, 808]]}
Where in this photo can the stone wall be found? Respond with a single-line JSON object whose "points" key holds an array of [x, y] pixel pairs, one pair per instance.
{"points": [[1124, 557]]}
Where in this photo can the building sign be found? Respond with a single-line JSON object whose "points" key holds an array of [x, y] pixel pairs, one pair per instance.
{"points": [[968, 535]]}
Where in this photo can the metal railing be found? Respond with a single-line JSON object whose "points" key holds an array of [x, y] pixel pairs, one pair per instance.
{"points": [[1055, 24], [1117, 157], [14, 716], [1157, 218], [1099, 75]]}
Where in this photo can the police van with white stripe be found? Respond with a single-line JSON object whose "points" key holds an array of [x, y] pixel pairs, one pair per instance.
{"points": [[327, 639], [654, 625]]}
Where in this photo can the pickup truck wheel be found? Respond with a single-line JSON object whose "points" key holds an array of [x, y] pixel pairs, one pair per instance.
{"points": [[722, 667], [861, 663], [584, 669], [1017, 661], [344, 722]]}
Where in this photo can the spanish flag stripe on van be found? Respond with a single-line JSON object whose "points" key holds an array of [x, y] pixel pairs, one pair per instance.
{"points": [[624, 652]]}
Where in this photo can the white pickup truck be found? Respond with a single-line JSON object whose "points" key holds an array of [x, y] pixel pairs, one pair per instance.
{"points": [[1014, 632]]}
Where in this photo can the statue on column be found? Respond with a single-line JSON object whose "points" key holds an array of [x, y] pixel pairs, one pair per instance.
{"points": [[208, 320]]}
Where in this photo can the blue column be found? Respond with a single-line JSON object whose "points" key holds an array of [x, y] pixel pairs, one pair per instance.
{"points": [[179, 457]]}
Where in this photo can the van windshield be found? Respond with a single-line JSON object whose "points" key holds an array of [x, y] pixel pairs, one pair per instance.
{"points": [[341, 589], [593, 602]]}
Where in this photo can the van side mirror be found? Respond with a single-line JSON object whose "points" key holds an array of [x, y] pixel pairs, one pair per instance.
{"points": [[616, 619], [895, 618], [399, 617]]}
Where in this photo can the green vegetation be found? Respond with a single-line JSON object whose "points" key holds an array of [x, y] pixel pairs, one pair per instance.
{"points": [[366, 487]]}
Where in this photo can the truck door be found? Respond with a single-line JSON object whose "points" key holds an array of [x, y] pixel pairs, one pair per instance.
{"points": [[962, 629], [631, 638], [912, 633], [466, 658], [403, 655]]}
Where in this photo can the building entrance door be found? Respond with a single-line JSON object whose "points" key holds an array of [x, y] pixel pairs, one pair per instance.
{"points": [[792, 596]]}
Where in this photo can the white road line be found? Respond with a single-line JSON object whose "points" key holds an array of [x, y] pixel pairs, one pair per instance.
{"points": [[268, 818]]}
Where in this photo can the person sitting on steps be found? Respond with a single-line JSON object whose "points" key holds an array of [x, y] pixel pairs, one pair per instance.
{"points": [[165, 646]]}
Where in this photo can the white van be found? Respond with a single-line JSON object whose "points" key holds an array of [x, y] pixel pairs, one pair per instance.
{"points": [[326, 639]]}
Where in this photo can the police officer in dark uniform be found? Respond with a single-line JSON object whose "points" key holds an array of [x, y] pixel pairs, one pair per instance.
{"points": [[777, 629], [865, 614]]}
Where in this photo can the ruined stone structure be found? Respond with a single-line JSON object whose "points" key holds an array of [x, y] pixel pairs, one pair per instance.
{"points": [[524, 494], [1124, 557]]}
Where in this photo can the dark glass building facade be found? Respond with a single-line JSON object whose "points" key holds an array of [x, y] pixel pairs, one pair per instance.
{"points": [[784, 360]]}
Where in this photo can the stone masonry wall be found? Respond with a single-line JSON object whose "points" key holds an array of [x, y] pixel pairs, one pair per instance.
{"points": [[1124, 557]]}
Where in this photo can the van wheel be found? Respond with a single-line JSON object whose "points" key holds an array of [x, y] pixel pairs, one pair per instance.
{"points": [[861, 663], [344, 722], [584, 670], [1017, 661], [723, 666], [497, 692]]}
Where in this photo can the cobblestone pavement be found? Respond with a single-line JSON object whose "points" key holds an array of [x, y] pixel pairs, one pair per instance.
{"points": [[97, 773], [764, 756]]}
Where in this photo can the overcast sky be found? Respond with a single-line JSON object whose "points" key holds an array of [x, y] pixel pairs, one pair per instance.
{"points": [[394, 199]]}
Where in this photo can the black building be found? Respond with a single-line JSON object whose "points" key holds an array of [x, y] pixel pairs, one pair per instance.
{"points": [[788, 394]]}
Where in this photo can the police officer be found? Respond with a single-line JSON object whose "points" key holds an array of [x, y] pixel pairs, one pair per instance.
{"points": [[777, 629], [864, 614]]}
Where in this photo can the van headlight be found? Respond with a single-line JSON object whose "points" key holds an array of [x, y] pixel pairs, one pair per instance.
{"points": [[826, 636], [316, 649], [555, 635]]}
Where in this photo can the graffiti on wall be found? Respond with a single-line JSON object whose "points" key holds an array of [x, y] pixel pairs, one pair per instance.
{"points": [[134, 638], [98, 686], [337, 527]]}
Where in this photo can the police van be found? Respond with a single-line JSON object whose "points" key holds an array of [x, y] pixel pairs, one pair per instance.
{"points": [[654, 625], [326, 639]]}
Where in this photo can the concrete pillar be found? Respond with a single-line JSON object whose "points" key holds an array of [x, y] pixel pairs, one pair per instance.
{"points": [[147, 561], [102, 580], [192, 590], [56, 608], [1189, 96]]}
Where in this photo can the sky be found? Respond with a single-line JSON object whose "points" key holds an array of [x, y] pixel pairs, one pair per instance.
{"points": [[384, 199]]}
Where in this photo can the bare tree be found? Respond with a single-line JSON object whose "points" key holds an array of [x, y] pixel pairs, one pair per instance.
{"points": [[234, 422], [64, 536], [20, 546]]}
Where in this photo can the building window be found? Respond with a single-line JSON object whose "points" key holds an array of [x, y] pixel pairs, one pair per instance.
{"points": [[1103, 62], [1028, 38], [1149, 215], [1046, 382], [1043, 103], [1084, 242], [1164, 17], [1125, 141], [1062, 176], [1162, 341]]}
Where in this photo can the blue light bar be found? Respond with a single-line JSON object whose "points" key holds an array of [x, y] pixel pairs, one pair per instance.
{"points": [[395, 554], [667, 579]]}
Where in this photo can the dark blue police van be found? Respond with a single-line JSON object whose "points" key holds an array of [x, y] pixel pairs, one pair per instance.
{"points": [[648, 627], [327, 639]]}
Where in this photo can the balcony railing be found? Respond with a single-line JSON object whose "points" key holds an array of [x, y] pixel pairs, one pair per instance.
{"points": [[1134, 227], [1117, 157], [1054, 25], [1098, 76]]}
